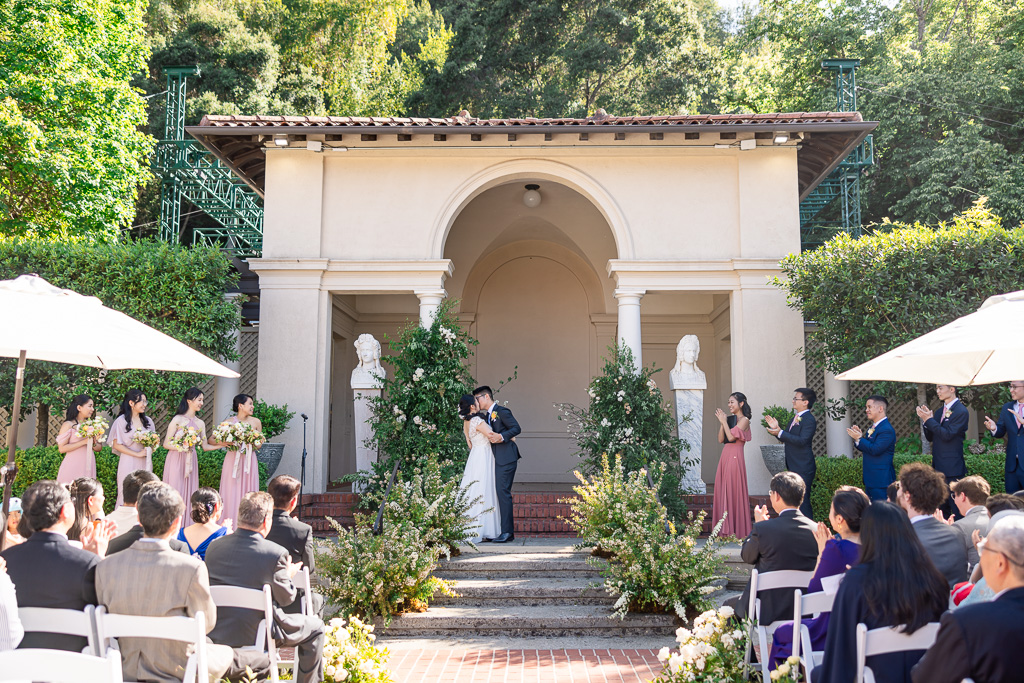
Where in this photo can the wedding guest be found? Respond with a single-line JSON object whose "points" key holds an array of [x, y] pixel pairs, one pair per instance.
{"points": [[732, 499], [11, 631], [240, 473], [798, 437], [998, 506], [892, 492], [922, 490], [24, 528], [207, 508], [895, 584], [140, 480], [982, 641], [13, 520], [783, 542], [129, 423], [87, 495], [79, 457], [835, 554], [294, 536], [126, 515], [151, 580], [947, 434], [878, 445], [246, 558], [1010, 423], [969, 496], [181, 468]]}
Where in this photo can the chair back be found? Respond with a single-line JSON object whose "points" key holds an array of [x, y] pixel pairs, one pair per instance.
{"points": [[182, 629], [258, 601], [760, 582], [889, 639], [302, 582], [59, 666], [805, 605], [69, 622]]}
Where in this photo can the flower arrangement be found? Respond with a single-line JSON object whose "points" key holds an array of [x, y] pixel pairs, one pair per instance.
{"points": [[788, 671], [712, 652], [146, 439], [351, 656], [93, 428], [186, 437], [238, 433]]}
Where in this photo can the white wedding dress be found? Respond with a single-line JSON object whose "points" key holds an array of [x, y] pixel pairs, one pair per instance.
{"points": [[479, 478]]}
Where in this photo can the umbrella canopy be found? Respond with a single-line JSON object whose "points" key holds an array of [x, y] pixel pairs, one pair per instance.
{"points": [[984, 347]]}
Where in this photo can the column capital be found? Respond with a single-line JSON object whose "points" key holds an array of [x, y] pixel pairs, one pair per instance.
{"points": [[630, 293], [433, 296]]}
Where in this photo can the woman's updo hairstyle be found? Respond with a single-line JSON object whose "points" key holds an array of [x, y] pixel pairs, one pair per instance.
{"points": [[467, 406], [239, 401], [850, 502], [204, 501]]}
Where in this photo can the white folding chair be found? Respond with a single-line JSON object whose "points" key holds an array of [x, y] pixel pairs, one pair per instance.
{"points": [[69, 622], [811, 604], [759, 583], [258, 601], [59, 666], [302, 582], [192, 630], [882, 641]]}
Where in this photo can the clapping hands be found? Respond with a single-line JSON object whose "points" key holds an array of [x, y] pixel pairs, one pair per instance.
{"points": [[293, 567], [760, 513], [96, 536], [938, 515], [773, 425], [822, 535], [855, 433], [925, 413]]}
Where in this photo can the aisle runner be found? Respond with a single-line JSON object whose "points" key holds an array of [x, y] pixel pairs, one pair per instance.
{"points": [[524, 666]]}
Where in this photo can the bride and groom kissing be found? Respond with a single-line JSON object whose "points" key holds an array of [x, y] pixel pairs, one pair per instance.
{"points": [[490, 430]]}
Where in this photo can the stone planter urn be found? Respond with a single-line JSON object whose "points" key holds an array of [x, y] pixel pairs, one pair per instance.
{"points": [[774, 457], [270, 454]]}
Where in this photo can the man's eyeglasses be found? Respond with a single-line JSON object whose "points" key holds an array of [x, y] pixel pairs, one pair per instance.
{"points": [[984, 546]]}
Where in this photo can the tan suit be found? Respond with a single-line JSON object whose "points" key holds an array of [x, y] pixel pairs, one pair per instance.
{"points": [[149, 579]]}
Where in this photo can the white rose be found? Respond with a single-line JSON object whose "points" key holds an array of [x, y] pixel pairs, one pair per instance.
{"points": [[726, 611], [663, 654]]}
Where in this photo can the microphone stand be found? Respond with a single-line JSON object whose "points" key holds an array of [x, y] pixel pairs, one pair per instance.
{"points": [[303, 481]]}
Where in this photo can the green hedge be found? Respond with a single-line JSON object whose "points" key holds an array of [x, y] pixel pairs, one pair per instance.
{"points": [[43, 462], [835, 472]]}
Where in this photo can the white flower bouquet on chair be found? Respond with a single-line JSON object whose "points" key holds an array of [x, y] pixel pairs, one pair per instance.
{"points": [[711, 652]]}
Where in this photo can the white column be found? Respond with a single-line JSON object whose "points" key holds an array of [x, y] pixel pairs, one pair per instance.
{"points": [[430, 301], [837, 441], [629, 322], [226, 388]]}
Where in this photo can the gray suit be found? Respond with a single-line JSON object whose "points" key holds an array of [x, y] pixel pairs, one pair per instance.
{"points": [[976, 518], [246, 559], [945, 546]]}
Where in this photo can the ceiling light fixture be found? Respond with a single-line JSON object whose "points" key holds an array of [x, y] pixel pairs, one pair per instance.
{"points": [[532, 197]]}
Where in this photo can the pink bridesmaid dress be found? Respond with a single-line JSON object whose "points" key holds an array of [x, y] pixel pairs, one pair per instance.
{"points": [[239, 476], [128, 463], [731, 494], [80, 462], [181, 470]]}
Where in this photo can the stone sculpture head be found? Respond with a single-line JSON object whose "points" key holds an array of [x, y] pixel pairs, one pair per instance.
{"points": [[368, 352], [688, 350]]}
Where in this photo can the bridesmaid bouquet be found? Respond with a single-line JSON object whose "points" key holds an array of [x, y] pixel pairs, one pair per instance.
{"points": [[93, 428], [233, 433], [146, 439], [186, 438]]}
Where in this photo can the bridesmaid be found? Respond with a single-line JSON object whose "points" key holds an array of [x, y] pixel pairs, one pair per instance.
{"points": [[79, 453], [731, 493], [240, 474], [130, 422], [181, 469]]}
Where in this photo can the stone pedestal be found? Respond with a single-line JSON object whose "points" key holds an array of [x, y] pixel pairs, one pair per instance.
{"points": [[690, 402], [365, 455]]}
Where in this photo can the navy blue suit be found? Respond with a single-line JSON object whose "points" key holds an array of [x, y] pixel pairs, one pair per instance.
{"points": [[506, 459], [1006, 425], [947, 439], [879, 449], [799, 456]]}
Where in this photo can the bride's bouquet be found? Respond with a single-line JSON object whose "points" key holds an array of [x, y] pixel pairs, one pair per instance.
{"points": [[146, 439], [233, 433], [93, 428], [186, 438]]}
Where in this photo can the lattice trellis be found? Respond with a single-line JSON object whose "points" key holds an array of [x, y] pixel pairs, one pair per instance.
{"points": [[816, 381], [249, 343]]}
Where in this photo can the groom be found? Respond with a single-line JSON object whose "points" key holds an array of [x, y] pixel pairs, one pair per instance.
{"points": [[506, 456]]}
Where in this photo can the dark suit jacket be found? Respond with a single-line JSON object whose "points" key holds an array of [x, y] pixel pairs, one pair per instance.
{"points": [[945, 545], [980, 641], [1006, 425], [128, 538], [294, 536], [799, 456], [504, 423], [947, 437], [783, 542], [879, 449], [244, 558], [47, 571]]}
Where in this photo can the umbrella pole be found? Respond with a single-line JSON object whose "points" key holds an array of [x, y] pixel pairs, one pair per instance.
{"points": [[11, 470]]}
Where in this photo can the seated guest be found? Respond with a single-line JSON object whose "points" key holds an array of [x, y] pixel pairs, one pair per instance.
{"points": [[783, 542], [24, 528], [895, 584], [969, 496], [835, 554], [294, 536], [125, 516], [47, 570], [143, 479], [892, 491], [205, 528], [998, 506], [13, 519], [151, 580], [922, 491], [11, 631], [982, 641], [996, 503], [246, 558], [87, 495]]}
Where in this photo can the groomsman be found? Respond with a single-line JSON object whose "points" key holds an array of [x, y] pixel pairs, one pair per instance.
{"points": [[797, 438], [878, 446], [1010, 424], [947, 435]]}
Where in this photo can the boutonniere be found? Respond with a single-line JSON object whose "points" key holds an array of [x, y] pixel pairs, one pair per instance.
{"points": [[946, 414], [494, 414], [871, 431], [796, 420]]}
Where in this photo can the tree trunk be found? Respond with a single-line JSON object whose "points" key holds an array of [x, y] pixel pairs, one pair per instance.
{"points": [[42, 424], [922, 399]]}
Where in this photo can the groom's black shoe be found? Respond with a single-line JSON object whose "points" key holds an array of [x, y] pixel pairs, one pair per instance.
{"points": [[504, 538]]}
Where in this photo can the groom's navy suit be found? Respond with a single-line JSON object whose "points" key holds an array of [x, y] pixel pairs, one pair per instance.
{"points": [[506, 459], [797, 437], [879, 450]]}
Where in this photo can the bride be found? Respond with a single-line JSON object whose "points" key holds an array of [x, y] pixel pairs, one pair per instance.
{"points": [[478, 478]]}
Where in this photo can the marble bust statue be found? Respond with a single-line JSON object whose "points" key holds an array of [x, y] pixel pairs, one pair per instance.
{"points": [[685, 374], [369, 373]]}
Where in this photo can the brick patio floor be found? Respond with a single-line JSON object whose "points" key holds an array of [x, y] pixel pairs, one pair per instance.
{"points": [[524, 666]]}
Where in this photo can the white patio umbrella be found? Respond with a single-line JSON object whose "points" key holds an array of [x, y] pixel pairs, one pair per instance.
{"points": [[984, 347], [44, 322]]}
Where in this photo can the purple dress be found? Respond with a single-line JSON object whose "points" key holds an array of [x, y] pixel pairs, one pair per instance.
{"points": [[80, 462], [837, 555], [239, 475], [731, 494], [128, 463], [181, 470]]}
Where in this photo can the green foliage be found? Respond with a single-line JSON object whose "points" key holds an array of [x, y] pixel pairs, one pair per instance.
{"points": [[628, 416], [274, 419], [71, 150], [176, 290], [783, 415]]}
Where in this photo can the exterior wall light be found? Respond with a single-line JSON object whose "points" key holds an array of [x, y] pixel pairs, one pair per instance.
{"points": [[781, 138], [532, 197], [281, 140]]}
